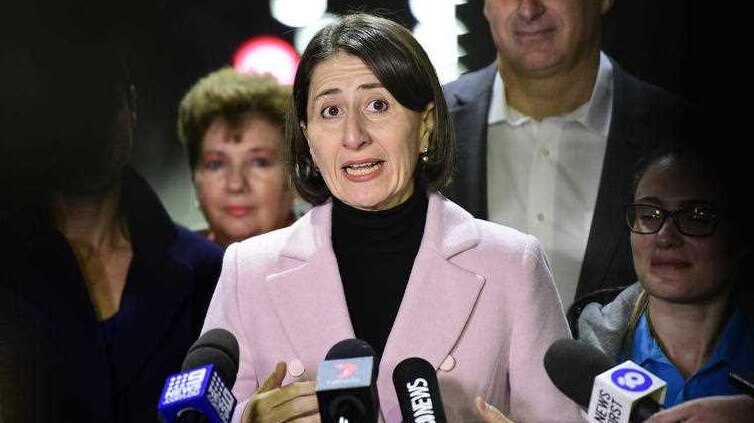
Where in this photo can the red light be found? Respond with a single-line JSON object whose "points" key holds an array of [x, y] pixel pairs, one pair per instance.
{"points": [[267, 54]]}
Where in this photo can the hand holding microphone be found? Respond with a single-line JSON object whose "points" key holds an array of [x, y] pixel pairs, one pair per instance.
{"points": [[273, 402], [716, 409], [418, 391], [609, 393], [489, 413]]}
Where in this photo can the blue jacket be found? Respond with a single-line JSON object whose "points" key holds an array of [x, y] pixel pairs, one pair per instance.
{"points": [[92, 374]]}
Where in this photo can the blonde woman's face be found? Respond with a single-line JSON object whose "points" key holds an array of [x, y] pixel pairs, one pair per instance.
{"points": [[240, 181]]}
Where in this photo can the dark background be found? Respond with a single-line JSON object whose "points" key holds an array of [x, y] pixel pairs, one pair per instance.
{"points": [[169, 44]]}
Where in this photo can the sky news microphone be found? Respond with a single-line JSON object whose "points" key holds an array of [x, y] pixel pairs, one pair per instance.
{"points": [[200, 393], [610, 393], [346, 384], [418, 390]]}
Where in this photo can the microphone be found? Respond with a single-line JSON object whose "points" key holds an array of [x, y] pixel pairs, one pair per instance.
{"points": [[744, 382], [200, 393], [346, 390], [609, 393], [418, 391]]}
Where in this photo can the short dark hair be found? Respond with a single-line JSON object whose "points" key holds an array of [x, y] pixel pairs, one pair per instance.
{"points": [[404, 69], [232, 96], [717, 166]]}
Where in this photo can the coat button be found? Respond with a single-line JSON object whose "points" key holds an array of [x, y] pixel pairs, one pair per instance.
{"points": [[448, 364], [295, 368]]}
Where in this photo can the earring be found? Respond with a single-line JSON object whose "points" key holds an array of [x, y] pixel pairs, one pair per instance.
{"points": [[424, 155]]}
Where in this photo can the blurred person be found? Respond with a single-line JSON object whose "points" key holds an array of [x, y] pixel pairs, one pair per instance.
{"points": [[549, 135], [232, 124], [107, 292], [382, 256], [687, 319]]}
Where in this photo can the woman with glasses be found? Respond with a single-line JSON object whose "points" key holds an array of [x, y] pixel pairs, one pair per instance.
{"points": [[684, 320]]}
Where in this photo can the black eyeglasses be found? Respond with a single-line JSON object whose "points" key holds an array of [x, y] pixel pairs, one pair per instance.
{"points": [[695, 220]]}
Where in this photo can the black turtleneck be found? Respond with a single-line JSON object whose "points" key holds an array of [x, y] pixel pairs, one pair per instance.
{"points": [[375, 252]]}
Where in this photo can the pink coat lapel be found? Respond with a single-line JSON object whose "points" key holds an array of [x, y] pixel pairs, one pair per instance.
{"points": [[440, 296], [308, 296]]}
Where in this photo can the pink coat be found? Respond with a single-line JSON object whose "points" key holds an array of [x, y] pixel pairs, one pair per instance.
{"points": [[480, 306]]}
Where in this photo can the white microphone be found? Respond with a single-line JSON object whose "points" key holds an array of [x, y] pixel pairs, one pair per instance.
{"points": [[619, 394]]}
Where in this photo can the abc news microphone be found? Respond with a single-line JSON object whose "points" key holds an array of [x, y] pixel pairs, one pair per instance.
{"points": [[200, 393], [346, 384], [610, 393], [418, 391]]}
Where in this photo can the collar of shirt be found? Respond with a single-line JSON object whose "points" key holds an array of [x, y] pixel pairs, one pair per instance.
{"points": [[736, 344], [595, 114], [735, 347]]}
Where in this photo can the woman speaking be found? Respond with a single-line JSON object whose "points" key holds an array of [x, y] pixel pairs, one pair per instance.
{"points": [[383, 256]]}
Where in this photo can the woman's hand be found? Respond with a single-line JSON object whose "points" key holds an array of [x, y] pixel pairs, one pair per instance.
{"points": [[274, 403], [489, 413], [718, 409]]}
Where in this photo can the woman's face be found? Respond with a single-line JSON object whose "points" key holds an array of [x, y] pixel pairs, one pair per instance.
{"points": [[240, 181], [364, 143], [672, 266]]}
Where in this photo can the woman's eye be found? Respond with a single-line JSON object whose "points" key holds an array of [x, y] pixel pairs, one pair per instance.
{"points": [[702, 214], [330, 111], [650, 215], [377, 105], [260, 162], [213, 164]]}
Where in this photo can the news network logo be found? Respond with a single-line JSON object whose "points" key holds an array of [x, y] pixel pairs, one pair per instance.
{"points": [[184, 385], [220, 397], [344, 373], [346, 369], [631, 380]]}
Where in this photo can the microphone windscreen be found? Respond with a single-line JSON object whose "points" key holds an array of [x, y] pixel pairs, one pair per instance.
{"points": [[411, 367], [350, 348], [218, 347], [418, 390], [572, 366]]}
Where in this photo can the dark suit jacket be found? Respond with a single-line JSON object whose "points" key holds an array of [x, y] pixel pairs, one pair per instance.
{"points": [[92, 374], [644, 116]]}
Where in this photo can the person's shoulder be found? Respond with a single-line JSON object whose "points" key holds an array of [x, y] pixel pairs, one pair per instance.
{"points": [[470, 84], [603, 322], [269, 242], [193, 247], [296, 240], [637, 91], [491, 237], [495, 235]]}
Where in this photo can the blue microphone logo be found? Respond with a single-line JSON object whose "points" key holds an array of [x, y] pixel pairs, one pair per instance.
{"points": [[632, 380]]}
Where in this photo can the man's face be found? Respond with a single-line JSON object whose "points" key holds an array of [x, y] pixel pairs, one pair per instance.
{"points": [[540, 38]]}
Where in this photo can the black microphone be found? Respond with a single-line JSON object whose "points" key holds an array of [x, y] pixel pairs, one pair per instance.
{"points": [[744, 382], [346, 384], [200, 393], [418, 391], [573, 366]]}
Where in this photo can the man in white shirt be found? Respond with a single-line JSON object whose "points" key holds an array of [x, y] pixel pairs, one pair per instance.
{"points": [[549, 136]]}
